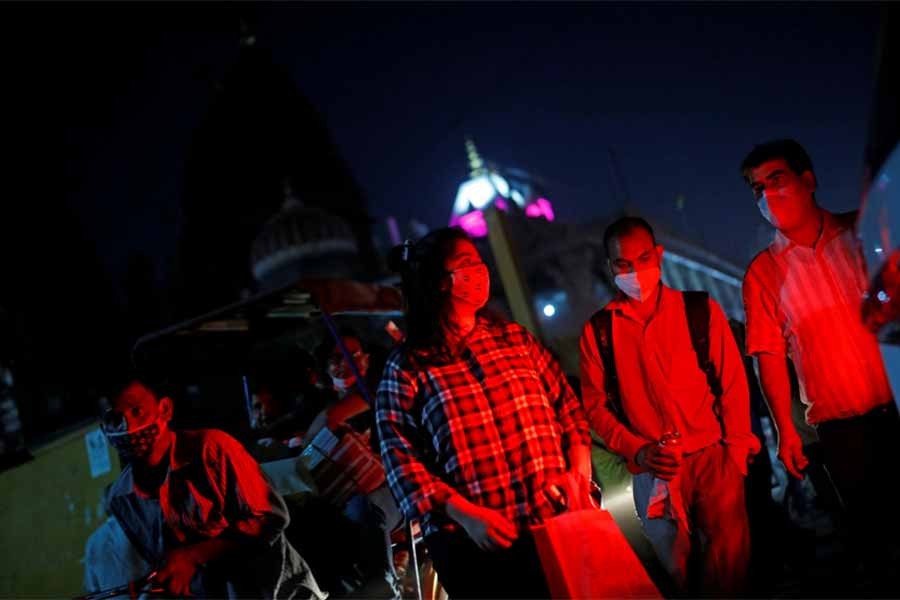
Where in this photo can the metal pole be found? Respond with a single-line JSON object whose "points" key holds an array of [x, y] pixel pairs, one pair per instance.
{"points": [[414, 556], [248, 403], [517, 293]]}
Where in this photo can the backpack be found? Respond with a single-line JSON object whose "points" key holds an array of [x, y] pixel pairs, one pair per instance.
{"points": [[696, 307]]}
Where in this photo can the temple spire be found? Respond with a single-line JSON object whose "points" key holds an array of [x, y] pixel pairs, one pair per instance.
{"points": [[476, 164]]}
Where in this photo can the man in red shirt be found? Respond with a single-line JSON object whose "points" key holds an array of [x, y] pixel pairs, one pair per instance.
{"points": [[687, 438], [803, 297], [197, 504]]}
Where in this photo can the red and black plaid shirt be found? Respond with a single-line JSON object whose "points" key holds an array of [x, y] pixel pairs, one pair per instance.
{"points": [[494, 426]]}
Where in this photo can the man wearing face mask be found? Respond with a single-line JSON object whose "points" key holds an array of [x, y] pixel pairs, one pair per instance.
{"points": [[350, 407], [802, 296], [663, 384], [198, 506], [351, 410]]}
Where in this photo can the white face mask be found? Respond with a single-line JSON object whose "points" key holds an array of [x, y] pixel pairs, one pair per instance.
{"points": [[765, 211], [639, 284], [343, 383]]}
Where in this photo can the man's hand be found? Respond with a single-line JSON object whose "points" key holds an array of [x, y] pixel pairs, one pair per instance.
{"points": [[790, 451], [662, 461], [488, 528], [179, 567]]}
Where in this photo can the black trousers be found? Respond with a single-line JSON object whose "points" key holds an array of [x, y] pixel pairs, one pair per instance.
{"points": [[466, 571], [861, 455]]}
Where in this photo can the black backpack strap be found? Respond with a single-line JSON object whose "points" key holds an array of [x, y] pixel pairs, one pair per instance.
{"points": [[696, 305], [601, 323]]}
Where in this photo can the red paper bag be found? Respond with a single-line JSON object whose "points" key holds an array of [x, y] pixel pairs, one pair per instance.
{"points": [[585, 555]]}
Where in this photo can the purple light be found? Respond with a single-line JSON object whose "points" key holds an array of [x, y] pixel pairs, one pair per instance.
{"points": [[500, 203], [540, 208], [473, 223]]}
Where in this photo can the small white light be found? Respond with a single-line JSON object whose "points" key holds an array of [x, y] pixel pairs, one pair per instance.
{"points": [[879, 250], [883, 297], [549, 310]]}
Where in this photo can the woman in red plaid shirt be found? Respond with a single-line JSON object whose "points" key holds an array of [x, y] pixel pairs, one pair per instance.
{"points": [[476, 419]]}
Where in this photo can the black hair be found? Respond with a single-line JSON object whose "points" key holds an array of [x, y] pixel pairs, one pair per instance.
{"points": [[789, 150], [421, 268], [623, 226], [157, 386]]}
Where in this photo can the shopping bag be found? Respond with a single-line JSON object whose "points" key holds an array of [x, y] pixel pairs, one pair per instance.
{"points": [[585, 555]]}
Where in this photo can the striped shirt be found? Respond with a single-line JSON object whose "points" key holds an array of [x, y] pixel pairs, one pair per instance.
{"points": [[493, 425], [806, 303]]}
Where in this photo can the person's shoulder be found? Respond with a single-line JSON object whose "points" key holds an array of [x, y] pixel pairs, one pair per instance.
{"points": [[397, 356], [761, 267], [123, 485], [846, 220], [207, 440], [759, 261], [504, 327], [511, 332], [589, 323], [399, 359], [715, 309]]}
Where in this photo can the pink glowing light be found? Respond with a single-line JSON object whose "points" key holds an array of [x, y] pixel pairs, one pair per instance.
{"points": [[472, 223], [501, 204], [540, 208]]}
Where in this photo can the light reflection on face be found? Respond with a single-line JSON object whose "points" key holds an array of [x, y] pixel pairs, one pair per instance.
{"points": [[634, 251], [789, 196]]}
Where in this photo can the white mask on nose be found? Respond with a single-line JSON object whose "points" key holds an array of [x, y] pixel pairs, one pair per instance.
{"points": [[765, 211], [639, 284]]}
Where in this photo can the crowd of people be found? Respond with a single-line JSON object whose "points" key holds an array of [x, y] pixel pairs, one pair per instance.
{"points": [[476, 426]]}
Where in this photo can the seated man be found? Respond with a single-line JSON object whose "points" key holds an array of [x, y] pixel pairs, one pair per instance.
{"points": [[198, 506]]}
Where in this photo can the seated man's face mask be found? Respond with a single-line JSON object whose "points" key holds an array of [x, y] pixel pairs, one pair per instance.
{"points": [[129, 443]]}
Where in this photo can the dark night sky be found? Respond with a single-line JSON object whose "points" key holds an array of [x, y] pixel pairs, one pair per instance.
{"points": [[111, 94]]}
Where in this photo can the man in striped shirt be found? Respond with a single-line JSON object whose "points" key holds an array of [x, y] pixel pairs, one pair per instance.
{"points": [[802, 297]]}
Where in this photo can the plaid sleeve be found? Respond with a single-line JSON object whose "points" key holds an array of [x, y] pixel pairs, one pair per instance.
{"points": [[416, 490], [569, 411]]}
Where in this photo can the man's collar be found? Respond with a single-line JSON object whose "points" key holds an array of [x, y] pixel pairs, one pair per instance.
{"points": [[620, 303], [831, 228]]}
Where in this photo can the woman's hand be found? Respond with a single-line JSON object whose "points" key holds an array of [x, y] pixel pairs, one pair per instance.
{"points": [[179, 567], [488, 528]]}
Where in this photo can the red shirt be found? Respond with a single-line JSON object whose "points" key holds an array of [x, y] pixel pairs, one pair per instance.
{"points": [[493, 426], [661, 384], [806, 303], [215, 488]]}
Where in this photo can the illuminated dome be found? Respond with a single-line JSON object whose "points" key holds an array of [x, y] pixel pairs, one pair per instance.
{"points": [[302, 241]]}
